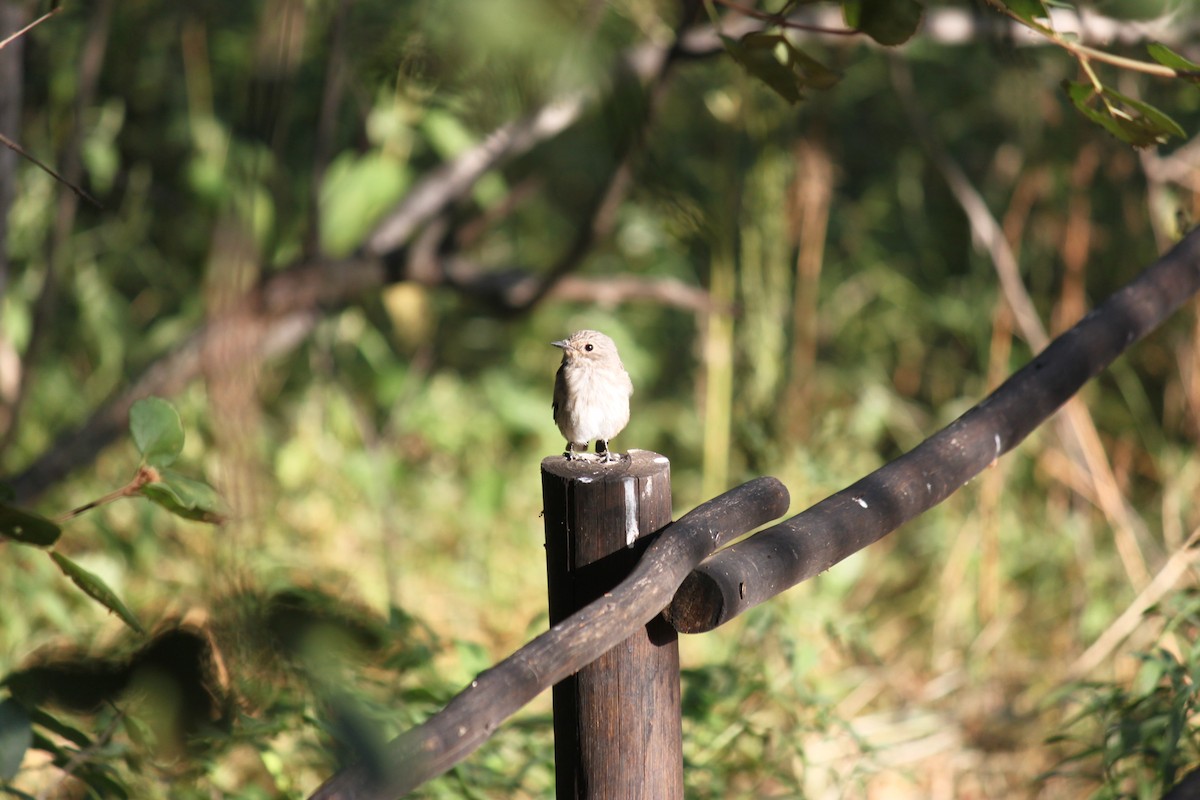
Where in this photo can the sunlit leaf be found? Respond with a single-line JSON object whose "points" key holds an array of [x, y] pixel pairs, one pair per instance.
{"points": [[1132, 121], [756, 54], [775, 61], [157, 431], [184, 496], [1169, 58], [357, 190], [1028, 10], [1156, 119], [816, 74], [97, 589], [44, 720], [27, 527], [889, 22], [16, 735]]}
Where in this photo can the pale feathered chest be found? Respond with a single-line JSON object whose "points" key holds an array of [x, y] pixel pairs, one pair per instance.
{"points": [[591, 401]]}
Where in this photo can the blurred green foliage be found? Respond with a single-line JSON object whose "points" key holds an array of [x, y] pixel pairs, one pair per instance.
{"points": [[385, 543]]}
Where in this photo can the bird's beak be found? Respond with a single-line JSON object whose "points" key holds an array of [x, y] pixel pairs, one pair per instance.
{"points": [[561, 344]]}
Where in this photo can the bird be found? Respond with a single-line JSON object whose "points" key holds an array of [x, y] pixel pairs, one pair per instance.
{"points": [[591, 393]]}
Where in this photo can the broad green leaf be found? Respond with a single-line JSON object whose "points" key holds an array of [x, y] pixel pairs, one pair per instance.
{"points": [[889, 22], [1138, 124], [97, 589], [157, 431], [27, 527], [756, 53], [1155, 118], [357, 191], [44, 720], [16, 735], [1169, 58], [760, 54], [184, 496], [816, 74], [1028, 10], [96, 775]]}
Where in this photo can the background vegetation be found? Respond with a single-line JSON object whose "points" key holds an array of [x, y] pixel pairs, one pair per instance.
{"points": [[793, 288]]}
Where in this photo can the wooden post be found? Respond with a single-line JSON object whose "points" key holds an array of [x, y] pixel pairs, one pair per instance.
{"points": [[617, 726]]}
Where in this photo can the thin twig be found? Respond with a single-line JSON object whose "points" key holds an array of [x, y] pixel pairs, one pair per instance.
{"points": [[1084, 53], [21, 151], [1131, 618], [603, 216], [29, 27], [785, 22], [144, 476]]}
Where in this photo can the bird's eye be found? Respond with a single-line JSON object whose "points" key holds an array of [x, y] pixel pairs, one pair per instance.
{"points": [[588, 347]]}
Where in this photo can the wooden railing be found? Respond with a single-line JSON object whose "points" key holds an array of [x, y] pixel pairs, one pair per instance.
{"points": [[620, 578]]}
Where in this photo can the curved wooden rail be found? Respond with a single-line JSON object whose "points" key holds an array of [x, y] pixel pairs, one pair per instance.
{"points": [[755, 570], [474, 714]]}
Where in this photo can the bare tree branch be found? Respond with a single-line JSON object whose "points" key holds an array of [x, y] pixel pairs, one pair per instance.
{"points": [[283, 311], [1133, 616], [25, 154], [1076, 424], [7, 40]]}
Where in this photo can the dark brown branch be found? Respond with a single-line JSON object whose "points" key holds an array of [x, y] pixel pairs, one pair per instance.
{"points": [[474, 714], [508, 288], [1188, 787], [755, 570], [284, 310], [281, 314], [434, 194], [603, 216], [446, 184], [642, 71]]}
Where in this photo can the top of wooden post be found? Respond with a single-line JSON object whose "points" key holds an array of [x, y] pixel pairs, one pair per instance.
{"points": [[634, 464]]}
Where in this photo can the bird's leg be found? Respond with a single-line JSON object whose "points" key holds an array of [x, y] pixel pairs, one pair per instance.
{"points": [[570, 454], [606, 456]]}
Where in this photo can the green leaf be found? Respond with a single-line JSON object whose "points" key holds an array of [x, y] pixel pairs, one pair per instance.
{"points": [[43, 719], [774, 60], [184, 496], [1156, 119], [1132, 121], [756, 53], [97, 589], [27, 527], [889, 22], [157, 431], [1169, 58], [16, 735], [816, 74], [1028, 10]]}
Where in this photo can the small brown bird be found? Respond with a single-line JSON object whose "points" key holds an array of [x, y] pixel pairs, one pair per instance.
{"points": [[591, 393]]}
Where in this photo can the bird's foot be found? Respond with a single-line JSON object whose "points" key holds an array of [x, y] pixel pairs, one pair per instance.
{"points": [[605, 455], [578, 455]]}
